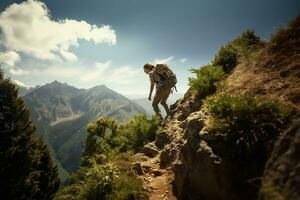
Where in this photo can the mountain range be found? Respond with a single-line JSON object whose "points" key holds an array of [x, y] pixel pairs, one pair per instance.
{"points": [[61, 113]]}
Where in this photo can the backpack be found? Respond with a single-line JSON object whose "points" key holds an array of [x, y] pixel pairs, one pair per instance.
{"points": [[166, 75]]}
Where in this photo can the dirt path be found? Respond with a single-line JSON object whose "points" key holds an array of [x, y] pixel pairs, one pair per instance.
{"points": [[158, 181]]}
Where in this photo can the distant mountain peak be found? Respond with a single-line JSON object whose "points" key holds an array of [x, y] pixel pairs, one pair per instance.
{"points": [[57, 83], [100, 89], [102, 86]]}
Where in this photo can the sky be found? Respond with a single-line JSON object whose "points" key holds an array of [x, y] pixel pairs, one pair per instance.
{"points": [[94, 42]]}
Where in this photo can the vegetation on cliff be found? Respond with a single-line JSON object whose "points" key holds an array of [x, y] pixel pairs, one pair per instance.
{"points": [[240, 115]]}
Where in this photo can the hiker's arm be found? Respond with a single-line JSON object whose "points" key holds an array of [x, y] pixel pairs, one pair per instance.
{"points": [[151, 87]]}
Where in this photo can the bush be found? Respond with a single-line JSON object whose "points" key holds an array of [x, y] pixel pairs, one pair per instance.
{"points": [[127, 187], [92, 183], [228, 55], [105, 168], [104, 181], [206, 78], [140, 131], [285, 35], [227, 58], [247, 123]]}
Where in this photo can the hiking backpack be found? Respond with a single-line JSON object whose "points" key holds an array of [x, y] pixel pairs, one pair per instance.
{"points": [[167, 76]]}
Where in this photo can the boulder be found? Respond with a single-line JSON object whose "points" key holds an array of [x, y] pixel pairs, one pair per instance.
{"points": [[150, 150], [137, 167], [281, 178], [162, 138], [140, 157]]}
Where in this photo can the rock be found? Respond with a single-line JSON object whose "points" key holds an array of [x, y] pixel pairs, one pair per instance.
{"points": [[170, 154], [150, 150], [140, 157], [162, 138], [156, 173], [281, 178], [200, 173], [137, 167], [146, 168], [194, 123]]}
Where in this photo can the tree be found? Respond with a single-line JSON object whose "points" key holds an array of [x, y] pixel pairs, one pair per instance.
{"points": [[26, 171]]}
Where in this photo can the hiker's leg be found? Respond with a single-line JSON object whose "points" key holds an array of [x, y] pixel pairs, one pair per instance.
{"points": [[155, 107], [166, 107], [163, 101], [156, 100]]}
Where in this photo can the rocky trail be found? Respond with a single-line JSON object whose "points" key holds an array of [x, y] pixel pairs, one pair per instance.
{"points": [[157, 181], [154, 164]]}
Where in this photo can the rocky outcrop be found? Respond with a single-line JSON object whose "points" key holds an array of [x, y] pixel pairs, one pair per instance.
{"points": [[202, 168], [202, 165], [282, 173], [150, 150], [199, 172]]}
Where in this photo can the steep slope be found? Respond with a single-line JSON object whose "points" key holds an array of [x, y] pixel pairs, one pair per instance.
{"points": [[199, 162], [62, 112]]}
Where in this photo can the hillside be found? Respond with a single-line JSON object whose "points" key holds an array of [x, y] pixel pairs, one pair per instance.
{"points": [[61, 113], [234, 135], [199, 156]]}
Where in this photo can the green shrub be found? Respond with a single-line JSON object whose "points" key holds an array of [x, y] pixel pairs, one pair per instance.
{"points": [[284, 36], [246, 122], [228, 55], [227, 58], [127, 187], [105, 168], [104, 181], [106, 136], [206, 78], [92, 183], [139, 131]]}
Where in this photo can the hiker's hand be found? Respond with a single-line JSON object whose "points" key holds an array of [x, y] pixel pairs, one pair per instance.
{"points": [[149, 98]]}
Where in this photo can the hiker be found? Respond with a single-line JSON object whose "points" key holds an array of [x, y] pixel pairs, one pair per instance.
{"points": [[164, 79]]}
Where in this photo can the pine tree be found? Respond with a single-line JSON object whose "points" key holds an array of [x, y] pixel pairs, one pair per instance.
{"points": [[26, 168]]}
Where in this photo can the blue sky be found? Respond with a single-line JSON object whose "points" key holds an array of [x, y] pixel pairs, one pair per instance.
{"points": [[93, 42]]}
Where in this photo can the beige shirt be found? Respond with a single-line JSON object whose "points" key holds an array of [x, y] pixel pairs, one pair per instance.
{"points": [[156, 79]]}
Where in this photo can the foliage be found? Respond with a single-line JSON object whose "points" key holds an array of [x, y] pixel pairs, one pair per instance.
{"points": [[93, 183], [105, 163], [228, 55], [27, 171], [127, 187], [206, 78], [139, 131], [283, 35], [246, 122]]}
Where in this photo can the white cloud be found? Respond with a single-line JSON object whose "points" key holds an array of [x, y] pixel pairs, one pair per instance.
{"points": [[27, 27], [163, 60], [56, 71], [69, 56], [123, 75], [20, 83], [9, 58], [18, 72], [96, 72], [183, 60], [100, 71]]}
